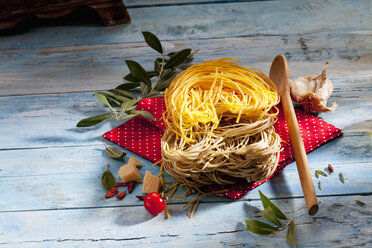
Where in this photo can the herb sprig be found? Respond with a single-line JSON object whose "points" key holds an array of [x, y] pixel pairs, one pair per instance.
{"points": [[123, 99], [275, 216]]}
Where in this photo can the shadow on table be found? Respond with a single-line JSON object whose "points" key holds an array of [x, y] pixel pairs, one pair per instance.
{"points": [[279, 187]]}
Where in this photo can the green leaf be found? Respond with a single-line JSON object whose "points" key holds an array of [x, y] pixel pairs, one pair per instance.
{"points": [[178, 58], [102, 98], [131, 78], [157, 65], [145, 89], [128, 116], [161, 86], [154, 94], [269, 215], [112, 152], [259, 227], [151, 73], [124, 93], [138, 71], [128, 86], [127, 105], [142, 113], [153, 41], [91, 121], [267, 203], [108, 180], [114, 100], [291, 236]]}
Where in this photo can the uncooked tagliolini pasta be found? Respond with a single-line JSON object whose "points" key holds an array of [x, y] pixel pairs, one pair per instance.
{"points": [[220, 116]]}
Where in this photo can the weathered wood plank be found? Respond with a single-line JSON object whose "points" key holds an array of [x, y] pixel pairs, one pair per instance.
{"points": [[69, 177], [339, 223], [207, 21], [49, 120], [99, 67]]}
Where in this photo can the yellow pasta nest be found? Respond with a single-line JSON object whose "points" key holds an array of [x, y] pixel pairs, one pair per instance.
{"points": [[219, 119]]}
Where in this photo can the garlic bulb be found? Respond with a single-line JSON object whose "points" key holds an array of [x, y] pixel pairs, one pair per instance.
{"points": [[313, 92]]}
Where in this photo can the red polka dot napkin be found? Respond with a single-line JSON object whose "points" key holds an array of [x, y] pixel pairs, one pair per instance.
{"points": [[143, 137]]}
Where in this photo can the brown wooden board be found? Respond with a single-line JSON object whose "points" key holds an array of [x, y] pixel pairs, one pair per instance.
{"points": [[112, 12]]}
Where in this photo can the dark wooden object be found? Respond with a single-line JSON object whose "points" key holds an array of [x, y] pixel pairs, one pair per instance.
{"points": [[112, 12]]}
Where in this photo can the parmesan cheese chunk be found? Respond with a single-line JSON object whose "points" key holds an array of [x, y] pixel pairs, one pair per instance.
{"points": [[134, 161], [129, 173], [151, 183]]}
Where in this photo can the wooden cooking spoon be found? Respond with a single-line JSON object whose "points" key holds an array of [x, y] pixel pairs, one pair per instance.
{"points": [[279, 74]]}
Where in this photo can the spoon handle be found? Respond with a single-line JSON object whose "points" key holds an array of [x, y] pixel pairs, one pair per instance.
{"points": [[300, 154]]}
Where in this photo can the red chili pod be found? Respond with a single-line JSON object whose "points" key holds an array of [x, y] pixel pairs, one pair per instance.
{"points": [[111, 193], [130, 186], [120, 184], [141, 197], [121, 195], [330, 168]]}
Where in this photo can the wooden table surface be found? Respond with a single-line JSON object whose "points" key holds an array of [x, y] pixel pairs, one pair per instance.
{"points": [[50, 188]]}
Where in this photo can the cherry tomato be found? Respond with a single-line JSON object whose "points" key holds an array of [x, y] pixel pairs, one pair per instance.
{"points": [[153, 203]]}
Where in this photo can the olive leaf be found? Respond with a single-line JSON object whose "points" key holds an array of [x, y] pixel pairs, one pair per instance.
{"points": [[127, 105], [151, 74], [112, 152], [138, 71], [145, 88], [152, 41], [163, 84], [91, 121], [108, 180], [103, 99], [130, 77], [272, 213], [267, 203], [269, 215], [157, 65], [259, 227], [178, 58], [123, 93], [165, 68], [142, 113], [291, 237], [154, 94], [128, 86]]}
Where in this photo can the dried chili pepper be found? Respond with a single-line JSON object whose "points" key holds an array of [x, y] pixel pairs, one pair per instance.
{"points": [[120, 184], [111, 193], [130, 186], [121, 195], [330, 168], [141, 197]]}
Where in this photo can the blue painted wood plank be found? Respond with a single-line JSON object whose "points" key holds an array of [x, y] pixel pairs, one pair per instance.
{"points": [[340, 222], [208, 21], [69, 177], [49, 120], [100, 67]]}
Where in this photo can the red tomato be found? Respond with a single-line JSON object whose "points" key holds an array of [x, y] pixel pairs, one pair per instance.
{"points": [[153, 203]]}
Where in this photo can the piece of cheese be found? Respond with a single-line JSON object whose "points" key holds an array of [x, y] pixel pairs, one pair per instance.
{"points": [[129, 173], [134, 161], [151, 183]]}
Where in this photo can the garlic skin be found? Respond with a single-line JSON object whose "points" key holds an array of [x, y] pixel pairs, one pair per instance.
{"points": [[313, 92]]}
